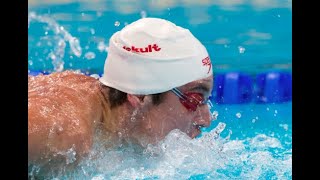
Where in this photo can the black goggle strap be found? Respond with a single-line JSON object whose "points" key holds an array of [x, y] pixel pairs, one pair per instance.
{"points": [[179, 94], [184, 97]]}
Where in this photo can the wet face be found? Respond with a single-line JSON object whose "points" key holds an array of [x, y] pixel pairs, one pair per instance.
{"points": [[172, 114]]}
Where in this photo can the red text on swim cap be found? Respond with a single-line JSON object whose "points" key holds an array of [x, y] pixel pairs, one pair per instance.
{"points": [[143, 50], [207, 62]]}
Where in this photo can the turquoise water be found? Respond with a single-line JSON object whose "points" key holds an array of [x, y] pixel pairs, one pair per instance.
{"points": [[242, 35], [246, 141]]}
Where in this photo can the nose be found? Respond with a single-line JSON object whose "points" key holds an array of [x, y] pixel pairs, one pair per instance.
{"points": [[204, 116]]}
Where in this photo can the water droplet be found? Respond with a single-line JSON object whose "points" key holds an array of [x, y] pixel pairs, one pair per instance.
{"points": [[143, 14], [78, 71], [101, 46], [253, 120], [30, 62], [90, 55], [238, 115], [117, 23], [278, 15], [75, 46], [46, 33], [92, 31], [284, 126], [82, 14], [52, 56], [96, 76], [59, 67], [241, 49], [214, 115]]}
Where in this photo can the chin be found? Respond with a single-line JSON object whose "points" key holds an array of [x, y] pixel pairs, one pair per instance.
{"points": [[195, 133]]}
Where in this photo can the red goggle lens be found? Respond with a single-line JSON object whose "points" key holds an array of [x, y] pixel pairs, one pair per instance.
{"points": [[193, 100]]}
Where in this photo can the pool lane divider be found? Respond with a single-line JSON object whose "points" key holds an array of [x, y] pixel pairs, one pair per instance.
{"points": [[239, 87]]}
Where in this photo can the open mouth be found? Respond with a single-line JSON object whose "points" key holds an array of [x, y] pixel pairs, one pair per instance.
{"points": [[199, 127], [196, 131]]}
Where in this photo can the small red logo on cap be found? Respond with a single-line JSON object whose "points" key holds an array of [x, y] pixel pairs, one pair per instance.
{"points": [[207, 62], [142, 50]]}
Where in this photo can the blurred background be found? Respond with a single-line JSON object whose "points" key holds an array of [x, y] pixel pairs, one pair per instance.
{"points": [[250, 36]]}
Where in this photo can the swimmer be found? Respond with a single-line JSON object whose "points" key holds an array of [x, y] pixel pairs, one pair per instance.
{"points": [[157, 77]]}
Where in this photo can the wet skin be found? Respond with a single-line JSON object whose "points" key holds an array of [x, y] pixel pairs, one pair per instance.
{"points": [[65, 108]]}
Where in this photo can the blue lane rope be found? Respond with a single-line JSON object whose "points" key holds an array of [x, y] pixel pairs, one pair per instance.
{"points": [[239, 87]]}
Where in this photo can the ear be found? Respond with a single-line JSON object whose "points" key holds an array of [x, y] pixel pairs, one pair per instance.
{"points": [[139, 101]]}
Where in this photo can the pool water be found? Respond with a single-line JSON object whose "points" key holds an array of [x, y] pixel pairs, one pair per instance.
{"points": [[250, 36], [246, 141]]}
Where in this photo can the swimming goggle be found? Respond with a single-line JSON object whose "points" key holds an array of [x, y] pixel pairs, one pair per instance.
{"points": [[190, 100]]}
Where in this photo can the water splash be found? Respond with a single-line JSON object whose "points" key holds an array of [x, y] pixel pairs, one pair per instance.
{"points": [[61, 38], [214, 115], [70, 154], [180, 157]]}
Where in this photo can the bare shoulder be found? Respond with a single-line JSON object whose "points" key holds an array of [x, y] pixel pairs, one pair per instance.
{"points": [[62, 109], [61, 78]]}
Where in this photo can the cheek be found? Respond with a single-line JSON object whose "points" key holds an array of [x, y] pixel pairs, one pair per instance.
{"points": [[169, 115], [178, 118]]}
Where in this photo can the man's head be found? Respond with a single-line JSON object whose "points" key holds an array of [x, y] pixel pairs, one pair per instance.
{"points": [[164, 73]]}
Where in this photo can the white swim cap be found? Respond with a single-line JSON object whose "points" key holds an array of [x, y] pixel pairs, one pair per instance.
{"points": [[153, 55]]}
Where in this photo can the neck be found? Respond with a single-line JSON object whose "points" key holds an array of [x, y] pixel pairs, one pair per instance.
{"points": [[123, 122], [116, 121]]}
